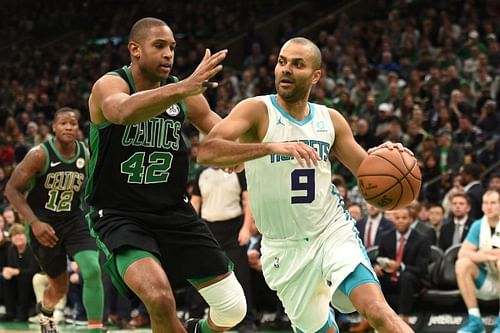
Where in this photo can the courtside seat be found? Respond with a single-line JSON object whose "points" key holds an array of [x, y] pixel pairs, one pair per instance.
{"points": [[433, 267], [444, 289]]}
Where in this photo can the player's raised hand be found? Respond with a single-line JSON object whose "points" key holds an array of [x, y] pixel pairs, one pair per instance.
{"points": [[44, 233], [304, 154], [209, 66]]}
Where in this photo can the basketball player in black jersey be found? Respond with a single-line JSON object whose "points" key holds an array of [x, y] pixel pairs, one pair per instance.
{"points": [[53, 175], [144, 222]]}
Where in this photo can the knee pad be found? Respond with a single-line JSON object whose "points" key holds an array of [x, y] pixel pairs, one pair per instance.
{"points": [[226, 300]]}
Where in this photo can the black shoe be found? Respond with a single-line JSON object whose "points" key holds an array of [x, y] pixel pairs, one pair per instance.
{"points": [[191, 325]]}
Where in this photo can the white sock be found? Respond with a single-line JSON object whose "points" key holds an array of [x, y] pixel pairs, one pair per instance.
{"points": [[474, 312]]}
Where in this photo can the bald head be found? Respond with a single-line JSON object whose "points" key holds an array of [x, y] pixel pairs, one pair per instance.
{"points": [[315, 52], [141, 28]]}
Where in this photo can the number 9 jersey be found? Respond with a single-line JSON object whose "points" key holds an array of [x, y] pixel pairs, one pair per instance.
{"points": [[54, 194], [289, 201]]}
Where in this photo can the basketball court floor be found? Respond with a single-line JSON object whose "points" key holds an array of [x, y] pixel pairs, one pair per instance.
{"points": [[31, 328]]}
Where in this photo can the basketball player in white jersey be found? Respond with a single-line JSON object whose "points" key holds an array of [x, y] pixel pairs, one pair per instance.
{"points": [[311, 254]]}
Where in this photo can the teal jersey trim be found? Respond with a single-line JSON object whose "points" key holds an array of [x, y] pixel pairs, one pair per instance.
{"points": [[285, 114]]}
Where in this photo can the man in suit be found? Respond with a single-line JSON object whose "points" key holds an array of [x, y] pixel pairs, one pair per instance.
{"points": [[472, 187], [404, 254], [457, 225], [436, 220], [372, 226], [409, 253]]}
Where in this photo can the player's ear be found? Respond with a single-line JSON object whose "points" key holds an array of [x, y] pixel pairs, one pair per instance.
{"points": [[134, 49], [316, 76]]}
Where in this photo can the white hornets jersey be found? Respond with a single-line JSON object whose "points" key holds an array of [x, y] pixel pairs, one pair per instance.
{"points": [[289, 201]]}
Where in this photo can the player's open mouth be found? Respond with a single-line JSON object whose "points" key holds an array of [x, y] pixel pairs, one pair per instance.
{"points": [[286, 82]]}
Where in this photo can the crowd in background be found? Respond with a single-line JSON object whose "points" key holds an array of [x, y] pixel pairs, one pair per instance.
{"points": [[413, 73]]}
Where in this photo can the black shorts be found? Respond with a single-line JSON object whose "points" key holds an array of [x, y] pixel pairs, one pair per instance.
{"points": [[74, 236], [181, 241]]}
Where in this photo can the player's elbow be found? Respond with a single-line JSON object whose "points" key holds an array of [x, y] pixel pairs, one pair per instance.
{"points": [[10, 192], [119, 113]]}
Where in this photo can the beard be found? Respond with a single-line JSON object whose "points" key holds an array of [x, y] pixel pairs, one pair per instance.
{"points": [[292, 93]]}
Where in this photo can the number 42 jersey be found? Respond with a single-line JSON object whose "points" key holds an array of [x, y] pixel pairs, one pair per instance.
{"points": [[289, 201], [141, 167]]}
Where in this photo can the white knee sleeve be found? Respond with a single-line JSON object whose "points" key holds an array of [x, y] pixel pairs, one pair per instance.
{"points": [[226, 300]]}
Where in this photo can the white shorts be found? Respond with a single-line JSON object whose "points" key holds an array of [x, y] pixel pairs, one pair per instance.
{"points": [[307, 273], [488, 289]]}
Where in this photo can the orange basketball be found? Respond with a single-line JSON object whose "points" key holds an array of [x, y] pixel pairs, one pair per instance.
{"points": [[389, 179]]}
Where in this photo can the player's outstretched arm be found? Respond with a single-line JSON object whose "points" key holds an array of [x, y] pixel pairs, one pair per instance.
{"points": [[32, 164], [248, 122], [111, 100]]}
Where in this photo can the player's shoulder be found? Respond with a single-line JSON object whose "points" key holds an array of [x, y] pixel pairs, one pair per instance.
{"points": [[110, 81], [476, 225], [38, 151], [252, 105], [35, 157], [254, 101]]}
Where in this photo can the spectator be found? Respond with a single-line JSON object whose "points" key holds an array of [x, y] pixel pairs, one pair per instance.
{"points": [[469, 136], [451, 155], [456, 226], [356, 211], [432, 188], [408, 252], [18, 275], [478, 263], [494, 181], [10, 217], [364, 136], [373, 226], [4, 247], [436, 219], [470, 174], [489, 120], [419, 224], [3, 182]]}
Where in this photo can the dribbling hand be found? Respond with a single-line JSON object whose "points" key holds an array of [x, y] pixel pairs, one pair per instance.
{"points": [[209, 66], [391, 145]]}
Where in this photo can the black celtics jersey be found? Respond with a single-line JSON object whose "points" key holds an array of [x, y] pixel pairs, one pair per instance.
{"points": [[54, 194], [141, 167]]}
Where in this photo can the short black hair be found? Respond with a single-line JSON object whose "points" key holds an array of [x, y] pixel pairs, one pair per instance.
{"points": [[64, 110], [472, 169], [314, 48], [141, 27]]}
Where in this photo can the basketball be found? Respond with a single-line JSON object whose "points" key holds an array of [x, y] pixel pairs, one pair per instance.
{"points": [[389, 179]]}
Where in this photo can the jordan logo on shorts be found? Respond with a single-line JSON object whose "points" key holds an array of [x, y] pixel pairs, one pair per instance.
{"points": [[276, 262]]}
